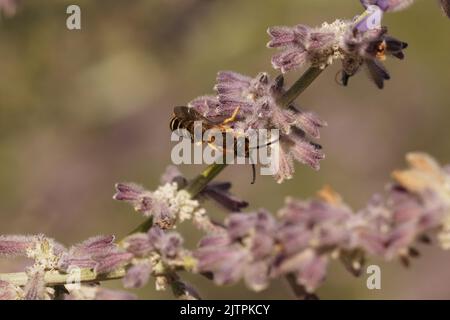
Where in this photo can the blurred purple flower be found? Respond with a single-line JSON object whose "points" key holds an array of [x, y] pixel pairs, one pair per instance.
{"points": [[9, 291], [369, 48], [341, 40], [138, 275], [15, 245], [445, 5], [97, 253], [256, 103], [168, 244], [140, 198], [301, 44], [9, 7]]}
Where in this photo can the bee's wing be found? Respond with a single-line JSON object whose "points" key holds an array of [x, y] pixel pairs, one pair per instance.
{"points": [[377, 72]]}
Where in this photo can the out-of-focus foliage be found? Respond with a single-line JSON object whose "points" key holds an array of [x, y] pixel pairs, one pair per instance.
{"points": [[81, 110]]}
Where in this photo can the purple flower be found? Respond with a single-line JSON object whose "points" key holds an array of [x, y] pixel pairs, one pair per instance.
{"points": [[220, 257], [111, 261], [445, 5], [108, 294], [140, 198], [151, 248], [244, 251], [168, 244], [9, 7], [220, 193], [171, 174], [340, 40], [97, 253], [209, 107], [369, 48], [138, 244], [308, 266], [388, 5], [256, 102], [138, 275], [9, 291], [389, 227], [94, 245], [35, 287]]}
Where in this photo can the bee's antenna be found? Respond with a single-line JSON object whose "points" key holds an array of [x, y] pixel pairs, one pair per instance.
{"points": [[254, 173]]}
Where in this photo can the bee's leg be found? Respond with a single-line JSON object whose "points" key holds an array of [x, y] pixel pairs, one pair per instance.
{"points": [[232, 118], [253, 173]]}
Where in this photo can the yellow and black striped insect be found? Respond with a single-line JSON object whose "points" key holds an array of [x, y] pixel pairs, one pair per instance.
{"points": [[184, 119]]}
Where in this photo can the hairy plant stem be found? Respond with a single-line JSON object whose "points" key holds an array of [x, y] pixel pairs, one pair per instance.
{"points": [[55, 278]]}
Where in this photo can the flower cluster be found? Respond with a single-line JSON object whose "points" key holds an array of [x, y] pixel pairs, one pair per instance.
{"points": [[307, 234], [257, 102]]}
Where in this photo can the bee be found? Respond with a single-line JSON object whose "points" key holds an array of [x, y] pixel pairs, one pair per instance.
{"points": [[185, 118]]}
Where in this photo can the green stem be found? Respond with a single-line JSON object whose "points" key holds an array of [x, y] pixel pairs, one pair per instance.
{"points": [[299, 86]]}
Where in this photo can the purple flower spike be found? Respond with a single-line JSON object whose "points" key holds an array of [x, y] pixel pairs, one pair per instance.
{"points": [[128, 192], [9, 291], [9, 7], [98, 253], [94, 245], [388, 5], [244, 252], [137, 276], [369, 48], [35, 287], [15, 245], [171, 174], [299, 44]]}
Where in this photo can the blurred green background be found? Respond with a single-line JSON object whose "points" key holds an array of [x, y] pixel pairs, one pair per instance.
{"points": [[82, 110]]}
